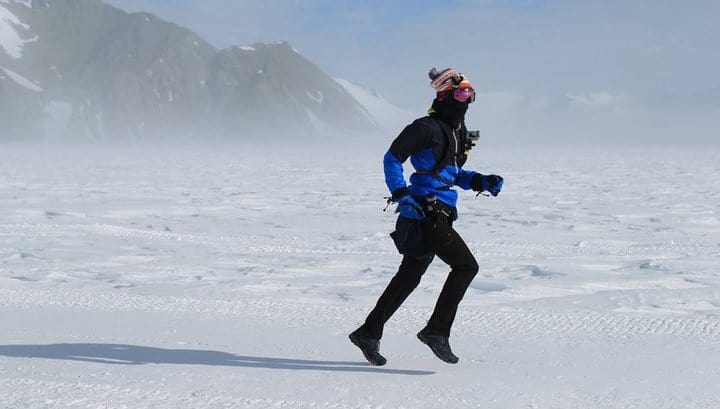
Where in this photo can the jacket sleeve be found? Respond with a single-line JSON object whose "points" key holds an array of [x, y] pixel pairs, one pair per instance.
{"points": [[414, 138], [464, 179], [394, 174]]}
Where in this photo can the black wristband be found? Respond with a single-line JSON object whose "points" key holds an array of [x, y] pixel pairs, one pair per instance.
{"points": [[476, 182], [398, 193]]}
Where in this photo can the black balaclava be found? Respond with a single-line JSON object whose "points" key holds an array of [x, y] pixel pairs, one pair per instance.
{"points": [[449, 110]]}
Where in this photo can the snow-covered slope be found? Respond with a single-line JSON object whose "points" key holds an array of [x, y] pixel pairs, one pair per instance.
{"points": [[10, 40], [390, 117], [21, 94]]}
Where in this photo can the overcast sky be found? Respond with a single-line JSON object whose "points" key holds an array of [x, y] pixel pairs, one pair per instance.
{"points": [[638, 69]]}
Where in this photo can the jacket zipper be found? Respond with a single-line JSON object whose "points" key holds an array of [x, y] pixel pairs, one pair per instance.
{"points": [[456, 148]]}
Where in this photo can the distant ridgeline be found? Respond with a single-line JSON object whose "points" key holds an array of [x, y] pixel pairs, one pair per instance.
{"points": [[83, 69]]}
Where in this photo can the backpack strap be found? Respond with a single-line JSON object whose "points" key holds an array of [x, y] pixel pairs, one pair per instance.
{"points": [[450, 152]]}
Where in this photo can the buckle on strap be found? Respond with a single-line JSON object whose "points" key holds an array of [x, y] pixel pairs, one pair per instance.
{"points": [[433, 205]]}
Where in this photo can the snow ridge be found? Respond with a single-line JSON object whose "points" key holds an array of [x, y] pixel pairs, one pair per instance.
{"points": [[300, 315], [20, 80], [389, 116]]}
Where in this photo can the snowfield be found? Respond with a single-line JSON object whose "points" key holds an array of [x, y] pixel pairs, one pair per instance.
{"points": [[229, 277]]}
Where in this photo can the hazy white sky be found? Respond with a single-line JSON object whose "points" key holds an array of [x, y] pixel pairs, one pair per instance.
{"points": [[643, 69]]}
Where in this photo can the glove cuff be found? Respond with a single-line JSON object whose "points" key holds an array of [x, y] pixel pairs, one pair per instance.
{"points": [[398, 193], [476, 182]]}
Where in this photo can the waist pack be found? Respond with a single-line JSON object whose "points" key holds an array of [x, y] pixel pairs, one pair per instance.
{"points": [[420, 238]]}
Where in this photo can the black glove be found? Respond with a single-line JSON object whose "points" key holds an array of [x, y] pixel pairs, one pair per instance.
{"points": [[491, 183]]}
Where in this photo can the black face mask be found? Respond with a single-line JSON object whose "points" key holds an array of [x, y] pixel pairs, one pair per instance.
{"points": [[450, 110]]}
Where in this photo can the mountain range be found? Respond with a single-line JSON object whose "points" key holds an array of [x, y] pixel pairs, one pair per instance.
{"points": [[85, 70]]}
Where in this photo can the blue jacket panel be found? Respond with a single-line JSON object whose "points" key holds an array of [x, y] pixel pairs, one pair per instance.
{"points": [[393, 172], [425, 143]]}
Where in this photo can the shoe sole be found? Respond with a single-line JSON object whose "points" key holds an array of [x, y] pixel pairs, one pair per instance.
{"points": [[425, 341], [367, 357]]}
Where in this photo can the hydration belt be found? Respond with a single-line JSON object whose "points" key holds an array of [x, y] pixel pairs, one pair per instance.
{"points": [[436, 208]]}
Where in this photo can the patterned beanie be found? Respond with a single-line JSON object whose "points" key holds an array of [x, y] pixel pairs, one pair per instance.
{"points": [[447, 79]]}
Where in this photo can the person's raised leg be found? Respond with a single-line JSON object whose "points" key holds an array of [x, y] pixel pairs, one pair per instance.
{"points": [[367, 337], [400, 287]]}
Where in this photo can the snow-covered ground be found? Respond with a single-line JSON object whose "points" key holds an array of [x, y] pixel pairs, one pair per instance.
{"points": [[230, 278]]}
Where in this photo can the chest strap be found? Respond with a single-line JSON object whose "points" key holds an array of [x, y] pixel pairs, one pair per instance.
{"points": [[450, 152]]}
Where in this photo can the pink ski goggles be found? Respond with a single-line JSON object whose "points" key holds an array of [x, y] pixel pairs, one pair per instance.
{"points": [[464, 94]]}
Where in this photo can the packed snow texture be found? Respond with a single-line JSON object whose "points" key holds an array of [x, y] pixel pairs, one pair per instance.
{"points": [[212, 278]]}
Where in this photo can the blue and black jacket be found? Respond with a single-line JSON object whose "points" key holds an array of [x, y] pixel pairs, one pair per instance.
{"points": [[437, 153]]}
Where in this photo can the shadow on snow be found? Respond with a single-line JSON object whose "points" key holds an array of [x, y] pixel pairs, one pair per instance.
{"points": [[140, 355]]}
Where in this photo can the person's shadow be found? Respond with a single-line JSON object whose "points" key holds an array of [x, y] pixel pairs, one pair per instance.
{"points": [[139, 355]]}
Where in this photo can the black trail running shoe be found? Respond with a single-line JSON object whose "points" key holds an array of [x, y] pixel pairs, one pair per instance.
{"points": [[439, 345], [370, 347]]}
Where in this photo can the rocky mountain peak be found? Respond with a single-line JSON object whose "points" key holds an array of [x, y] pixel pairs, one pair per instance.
{"points": [[133, 75]]}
